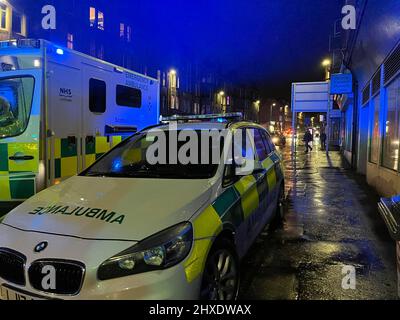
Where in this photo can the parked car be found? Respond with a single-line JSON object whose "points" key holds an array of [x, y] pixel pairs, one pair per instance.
{"points": [[128, 229], [278, 139]]}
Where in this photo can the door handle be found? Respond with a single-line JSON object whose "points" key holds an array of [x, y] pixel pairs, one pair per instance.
{"points": [[21, 158]]}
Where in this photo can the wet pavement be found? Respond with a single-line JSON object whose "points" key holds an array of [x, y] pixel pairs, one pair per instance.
{"points": [[331, 221]]}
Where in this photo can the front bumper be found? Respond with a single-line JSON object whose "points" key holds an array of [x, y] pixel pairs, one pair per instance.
{"points": [[169, 284]]}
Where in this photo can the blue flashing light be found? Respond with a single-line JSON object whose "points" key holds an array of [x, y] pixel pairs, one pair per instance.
{"points": [[117, 165], [60, 51]]}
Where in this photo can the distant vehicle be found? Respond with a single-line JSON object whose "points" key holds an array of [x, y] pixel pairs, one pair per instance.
{"points": [[60, 110], [126, 229], [278, 139]]}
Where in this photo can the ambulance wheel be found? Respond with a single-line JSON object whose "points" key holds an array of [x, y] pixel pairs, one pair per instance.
{"points": [[221, 275], [277, 220]]}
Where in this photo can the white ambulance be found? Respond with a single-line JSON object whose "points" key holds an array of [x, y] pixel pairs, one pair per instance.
{"points": [[60, 110]]}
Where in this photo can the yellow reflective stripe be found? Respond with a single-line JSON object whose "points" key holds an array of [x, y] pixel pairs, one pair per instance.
{"points": [[267, 163], [5, 193], [25, 149], [115, 140], [271, 174], [207, 225], [69, 166], [132, 155], [90, 159], [247, 187], [102, 145], [57, 148]]}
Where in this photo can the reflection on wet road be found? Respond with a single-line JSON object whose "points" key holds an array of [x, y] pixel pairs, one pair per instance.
{"points": [[332, 221]]}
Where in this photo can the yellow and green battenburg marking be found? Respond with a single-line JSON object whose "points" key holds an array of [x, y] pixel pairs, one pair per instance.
{"points": [[234, 205], [17, 178], [95, 148], [66, 156]]}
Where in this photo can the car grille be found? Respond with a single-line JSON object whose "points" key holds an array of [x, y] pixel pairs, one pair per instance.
{"points": [[12, 265], [68, 276]]}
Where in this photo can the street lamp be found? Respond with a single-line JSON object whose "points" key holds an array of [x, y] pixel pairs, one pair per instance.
{"points": [[270, 113], [221, 95], [327, 65], [172, 72]]}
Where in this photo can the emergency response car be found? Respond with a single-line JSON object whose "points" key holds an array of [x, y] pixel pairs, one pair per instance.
{"points": [[128, 229], [60, 110]]}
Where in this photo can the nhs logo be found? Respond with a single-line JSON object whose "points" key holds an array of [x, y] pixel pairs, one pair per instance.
{"points": [[65, 92]]}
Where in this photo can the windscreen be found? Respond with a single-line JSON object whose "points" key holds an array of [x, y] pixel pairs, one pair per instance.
{"points": [[15, 104], [131, 159]]}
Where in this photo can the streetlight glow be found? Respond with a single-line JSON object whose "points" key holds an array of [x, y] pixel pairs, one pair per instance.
{"points": [[326, 63], [221, 93], [172, 71]]}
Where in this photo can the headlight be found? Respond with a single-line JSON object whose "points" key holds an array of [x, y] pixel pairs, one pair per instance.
{"points": [[163, 250]]}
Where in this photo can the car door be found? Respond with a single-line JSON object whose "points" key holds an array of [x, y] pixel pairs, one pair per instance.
{"points": [[251, 190], [264, 181], [274, 172]]}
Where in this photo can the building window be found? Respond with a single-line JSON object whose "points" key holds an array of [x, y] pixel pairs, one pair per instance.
{"points": [[3, 16], [100, 53], [92, 16], [391, 137], [121, 30], [128, 97], [172, 80], [92, 49], [70, 41], [129, 34], [97, 96], [100, 20], [17, 23], [196, 108], [374, 135]]}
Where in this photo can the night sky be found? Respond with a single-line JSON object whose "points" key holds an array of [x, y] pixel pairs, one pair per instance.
{"points": [[269, 43]]}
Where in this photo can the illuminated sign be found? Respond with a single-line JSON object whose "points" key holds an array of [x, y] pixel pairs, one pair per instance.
{"points": [[341, 83]]}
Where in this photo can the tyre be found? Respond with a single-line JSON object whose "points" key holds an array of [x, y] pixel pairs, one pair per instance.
{"points": [[221, 275], [277, 220]]}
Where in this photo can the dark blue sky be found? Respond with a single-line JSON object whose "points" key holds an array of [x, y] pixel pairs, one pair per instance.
{"points": [[267, 42]]}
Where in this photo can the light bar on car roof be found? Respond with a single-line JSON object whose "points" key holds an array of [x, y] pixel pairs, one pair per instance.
{"points": [[20, 43], [225, 117]]}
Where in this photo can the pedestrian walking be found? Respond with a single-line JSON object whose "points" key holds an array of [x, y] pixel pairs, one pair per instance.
{"points": [[307, 139], [323, 140]]}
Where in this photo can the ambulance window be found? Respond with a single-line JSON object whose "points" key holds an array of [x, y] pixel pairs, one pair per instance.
{"points": [[260, 146], [129, 97], [97, 96], [267, 140]]}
